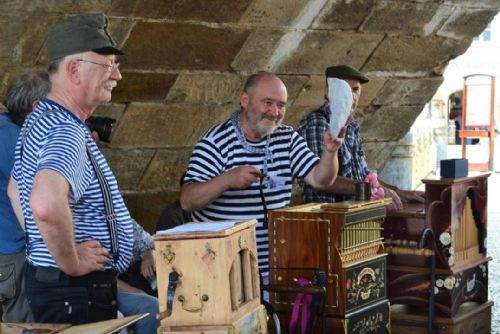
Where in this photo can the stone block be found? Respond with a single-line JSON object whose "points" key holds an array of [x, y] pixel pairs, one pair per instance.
{"points": [[219, 11], [165, 170], [370, 91], [112, 110], [295, 114], [401, 17], [407, 91], [146, 207], [320, 49], [148, 125], [257, 50], [312, 92], [143, 87], [382, 124], [408, 57], [206, 87], [464, 23], [378, 153], [345, 15], [293, 84], [277, 13], [128, 165], [156, 46], [119, 29]]}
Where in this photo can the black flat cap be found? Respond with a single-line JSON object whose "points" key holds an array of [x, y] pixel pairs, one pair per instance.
{"points": [[345, 72], [80, 33]]}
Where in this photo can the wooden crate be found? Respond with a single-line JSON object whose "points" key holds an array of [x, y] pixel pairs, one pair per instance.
{"points": [[472, 318], [254, 322], [218, 275]]}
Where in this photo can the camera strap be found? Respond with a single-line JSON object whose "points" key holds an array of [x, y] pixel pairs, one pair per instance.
{"points": [[108, 204]]}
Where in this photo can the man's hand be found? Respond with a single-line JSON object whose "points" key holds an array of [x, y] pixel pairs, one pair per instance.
{"points": [[92, 257], [333, 144], [242, 177], [412, 196], [148, 268], [396, 204], [197, 196]]}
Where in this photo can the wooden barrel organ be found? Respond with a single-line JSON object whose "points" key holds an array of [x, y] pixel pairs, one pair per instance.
{"points": [[345, 241], [456, 212]]}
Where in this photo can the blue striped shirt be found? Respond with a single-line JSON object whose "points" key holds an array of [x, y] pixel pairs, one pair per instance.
{"points": [[219, 151], [57, 141]]}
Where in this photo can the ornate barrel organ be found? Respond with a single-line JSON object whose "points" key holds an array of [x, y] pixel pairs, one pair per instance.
{"points": [[456, 212], [345, 241]]}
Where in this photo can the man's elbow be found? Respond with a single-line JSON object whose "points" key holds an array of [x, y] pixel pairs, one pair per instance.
{"points": [[185, 200], [40, 208]]}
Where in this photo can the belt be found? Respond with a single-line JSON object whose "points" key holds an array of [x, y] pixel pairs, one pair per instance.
{"points": [[54, 275]]}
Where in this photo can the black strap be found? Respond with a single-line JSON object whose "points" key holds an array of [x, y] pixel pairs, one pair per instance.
{"points": [[108, 204], [263, 198], [173, 277]]}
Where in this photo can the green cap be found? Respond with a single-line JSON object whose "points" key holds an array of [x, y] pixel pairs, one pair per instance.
{"points": [[80, 33], [345, 72]]}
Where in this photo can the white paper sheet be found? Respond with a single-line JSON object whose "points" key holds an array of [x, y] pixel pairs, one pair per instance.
{"points": [[199, 227], [340, 96]]}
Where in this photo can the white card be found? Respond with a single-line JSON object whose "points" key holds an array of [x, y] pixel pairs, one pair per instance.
{"points": [[340, 96]]}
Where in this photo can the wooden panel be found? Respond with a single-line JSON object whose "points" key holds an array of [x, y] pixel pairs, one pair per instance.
{"points": [[253, 322], [471, 318]]}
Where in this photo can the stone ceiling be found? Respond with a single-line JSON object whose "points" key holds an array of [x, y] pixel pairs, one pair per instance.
{"points": [[187, 60]]}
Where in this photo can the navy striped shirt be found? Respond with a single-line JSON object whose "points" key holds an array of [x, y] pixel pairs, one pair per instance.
{"points": [[57, 141], [219, 150]]}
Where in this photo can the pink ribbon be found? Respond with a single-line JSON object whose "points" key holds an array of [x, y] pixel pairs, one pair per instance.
{"points": [[305, 299], [377, 190]]}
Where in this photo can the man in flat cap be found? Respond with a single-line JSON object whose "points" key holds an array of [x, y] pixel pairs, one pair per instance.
{"points": [[78, 230], [352, 159]]}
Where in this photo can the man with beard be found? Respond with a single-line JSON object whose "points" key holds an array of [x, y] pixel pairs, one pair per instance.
{"points": [[78, 230], [223, 179]]}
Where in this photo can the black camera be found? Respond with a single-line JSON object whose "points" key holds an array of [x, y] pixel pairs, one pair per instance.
{"points": [[102, 125]]}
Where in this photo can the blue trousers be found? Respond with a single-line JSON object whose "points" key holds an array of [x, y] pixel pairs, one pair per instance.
{"points": [[130, 303]]}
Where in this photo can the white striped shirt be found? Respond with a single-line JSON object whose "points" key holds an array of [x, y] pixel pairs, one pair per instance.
{"points": [[57, 141], [219, 151]]}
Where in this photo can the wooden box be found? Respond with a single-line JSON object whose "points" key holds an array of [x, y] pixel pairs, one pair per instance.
{"points": [[456, 212], [255, 322], [471, 318], [218, 279], [342, 239]]}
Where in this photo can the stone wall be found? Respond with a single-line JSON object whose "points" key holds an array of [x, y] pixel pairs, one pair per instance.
{"points": [[186, 62]]}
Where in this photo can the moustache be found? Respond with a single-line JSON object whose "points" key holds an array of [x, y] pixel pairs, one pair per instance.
{"points": [[110, 84]]}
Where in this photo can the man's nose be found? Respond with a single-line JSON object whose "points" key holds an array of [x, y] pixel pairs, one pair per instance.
{"points": [[274, 110], [116, 74]]}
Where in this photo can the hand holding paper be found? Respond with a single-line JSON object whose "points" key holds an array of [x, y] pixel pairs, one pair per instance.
{"points": [[340, 96]]}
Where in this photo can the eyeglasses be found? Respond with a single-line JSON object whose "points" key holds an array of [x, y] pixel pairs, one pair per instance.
{"points": [[109, 67]]}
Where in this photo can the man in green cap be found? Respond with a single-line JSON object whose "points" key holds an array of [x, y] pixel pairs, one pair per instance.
{"points": [[78, 229], [353, 167]]}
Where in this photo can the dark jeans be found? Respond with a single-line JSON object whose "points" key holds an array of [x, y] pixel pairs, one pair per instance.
{"points": [[55, 297]]}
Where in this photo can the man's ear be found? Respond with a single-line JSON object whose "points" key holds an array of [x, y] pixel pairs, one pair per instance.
{"points": [[72, 70], [244, 99]]}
